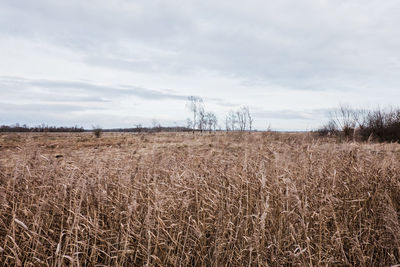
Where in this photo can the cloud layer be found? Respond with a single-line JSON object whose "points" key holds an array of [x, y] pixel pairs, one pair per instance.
{"points": [[278, 57]]}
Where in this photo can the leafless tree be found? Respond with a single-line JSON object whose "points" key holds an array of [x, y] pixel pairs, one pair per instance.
{"points": [[241, 116], [211, 120], [195, 104], [189, 123], [214, 122], [155, 123], [230, 121], [202, 119], [345, 119], [139, 127], [227, 123], [249, 117]]}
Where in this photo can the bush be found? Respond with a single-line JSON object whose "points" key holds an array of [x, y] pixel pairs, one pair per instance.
{"points": [[383, 126], [328, 129], [97, 131], [380, 125], [343, 121]]}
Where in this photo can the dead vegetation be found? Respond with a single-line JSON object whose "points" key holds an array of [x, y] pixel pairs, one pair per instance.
{"points": [[197, 200]]}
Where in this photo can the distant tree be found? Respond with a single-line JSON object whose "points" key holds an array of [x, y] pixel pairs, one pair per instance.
{"points": [[202, 119], [241, 116], [249, 117], [189, 123], [211, 120], [139, 128], [269, 128], [195, 104], [214, 121], [156, 125], [240, 119], [230, 121], [345, 119]]}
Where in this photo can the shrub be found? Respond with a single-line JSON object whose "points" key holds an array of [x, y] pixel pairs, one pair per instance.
{"points": [[380, 125], [328, 129], [97, 131]]}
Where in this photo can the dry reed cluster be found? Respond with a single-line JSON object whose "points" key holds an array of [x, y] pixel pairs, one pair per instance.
{"points": [[197, 200]]}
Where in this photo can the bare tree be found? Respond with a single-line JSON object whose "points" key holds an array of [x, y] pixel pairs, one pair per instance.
{"points": [[211, 120], [227, 123], [156, 125], [345, 119], [189, 123], [241, 116], [249, 118], [139, 127], [230, 121], [202, 119], [214, 122], [194, 105]]}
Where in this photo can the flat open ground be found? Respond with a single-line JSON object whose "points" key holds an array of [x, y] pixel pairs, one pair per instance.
{"points": [[178, 199]]}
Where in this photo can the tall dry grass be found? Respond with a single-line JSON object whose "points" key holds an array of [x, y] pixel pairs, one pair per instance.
{"points": [[184, 200]]}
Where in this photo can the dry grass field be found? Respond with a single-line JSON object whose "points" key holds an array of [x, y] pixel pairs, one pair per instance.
{"points": [[178, 199]]}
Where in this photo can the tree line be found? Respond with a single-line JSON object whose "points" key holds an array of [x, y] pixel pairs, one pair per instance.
{"points": [[41, 128], [381, 125]]}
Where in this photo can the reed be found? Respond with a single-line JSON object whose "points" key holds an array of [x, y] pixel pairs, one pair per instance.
{"points": [[179, 199]]}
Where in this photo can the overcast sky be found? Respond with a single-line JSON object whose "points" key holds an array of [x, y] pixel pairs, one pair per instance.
{"points": [[118, 63]]}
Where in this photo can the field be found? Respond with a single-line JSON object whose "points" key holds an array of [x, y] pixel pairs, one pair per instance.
{"points": [[178, 199]]}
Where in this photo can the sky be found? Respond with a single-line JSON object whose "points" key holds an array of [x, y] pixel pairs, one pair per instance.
{"points": [[119, 63]]}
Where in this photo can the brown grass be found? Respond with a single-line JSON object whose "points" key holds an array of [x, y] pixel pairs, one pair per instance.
{"points": [[203, 200]]}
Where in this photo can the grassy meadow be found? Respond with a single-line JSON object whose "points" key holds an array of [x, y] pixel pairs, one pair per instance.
{"points": [[178, 199]]}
